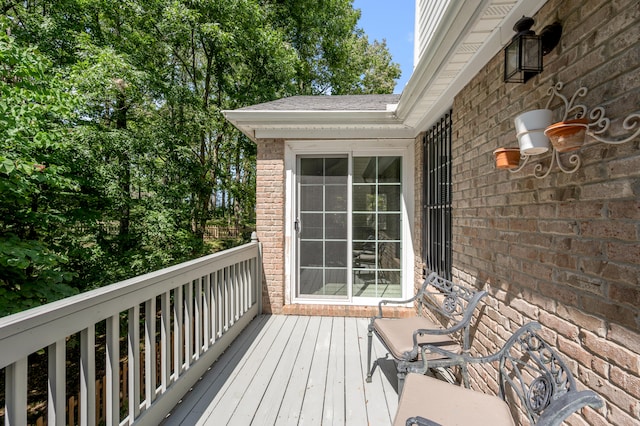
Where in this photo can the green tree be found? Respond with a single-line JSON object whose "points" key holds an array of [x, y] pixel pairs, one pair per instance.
{"points": [[334, 55], [146, 147], [35, 113]]}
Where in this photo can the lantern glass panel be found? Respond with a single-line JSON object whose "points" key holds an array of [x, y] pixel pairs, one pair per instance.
{"points": [[531, 54], [512, 58]]}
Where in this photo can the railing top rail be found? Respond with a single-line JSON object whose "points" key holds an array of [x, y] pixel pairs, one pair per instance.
{"points": [[31, 330]]}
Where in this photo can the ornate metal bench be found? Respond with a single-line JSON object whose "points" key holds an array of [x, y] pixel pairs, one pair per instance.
{"points": [[533, 379], [402, 337]]}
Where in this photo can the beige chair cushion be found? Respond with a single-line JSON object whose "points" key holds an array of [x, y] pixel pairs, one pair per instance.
{"points": [[449, 405], [397, 334]]}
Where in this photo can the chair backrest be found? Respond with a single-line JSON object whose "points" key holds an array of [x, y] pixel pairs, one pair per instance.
{"points": [[454, 303], [534, 377]]}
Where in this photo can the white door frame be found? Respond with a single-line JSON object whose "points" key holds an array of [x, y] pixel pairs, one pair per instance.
{"points": [[380, 147]]}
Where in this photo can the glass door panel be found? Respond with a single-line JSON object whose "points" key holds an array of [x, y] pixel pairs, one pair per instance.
{"points": [[322, 225], [376, 227]]}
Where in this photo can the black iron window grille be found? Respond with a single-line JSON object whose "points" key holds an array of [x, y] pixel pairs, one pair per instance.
{"points": [[436, 213]]}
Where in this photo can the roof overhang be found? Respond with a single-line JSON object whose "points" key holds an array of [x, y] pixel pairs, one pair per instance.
{"points": [[468, 35], [319, 124]]}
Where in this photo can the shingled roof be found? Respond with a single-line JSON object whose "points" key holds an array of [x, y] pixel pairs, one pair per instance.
{"points": [[328, 103]]}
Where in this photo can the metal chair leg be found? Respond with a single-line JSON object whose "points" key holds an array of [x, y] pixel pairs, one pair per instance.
{"points": [[401, 376], [369, 343], [465, 375]]}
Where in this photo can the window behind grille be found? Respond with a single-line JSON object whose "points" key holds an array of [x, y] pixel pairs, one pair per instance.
{"points": [[436, 216]]}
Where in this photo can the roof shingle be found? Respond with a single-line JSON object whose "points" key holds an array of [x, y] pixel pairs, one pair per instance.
{"points": [[328, 103]]}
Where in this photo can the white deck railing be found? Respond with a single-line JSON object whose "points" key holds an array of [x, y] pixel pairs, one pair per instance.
{"points": [[187, 314]]}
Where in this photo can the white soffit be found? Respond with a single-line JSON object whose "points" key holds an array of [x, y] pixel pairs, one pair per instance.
{"points": [[468, 35]]}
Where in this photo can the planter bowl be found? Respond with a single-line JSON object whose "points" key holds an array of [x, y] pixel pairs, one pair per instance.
{"points": [[507, 158], [537, 119], [567, 135], [533, 143], [530, 128]]}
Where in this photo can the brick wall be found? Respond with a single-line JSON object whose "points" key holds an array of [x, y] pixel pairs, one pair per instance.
{"points": [[270, 221], [563, 250]]}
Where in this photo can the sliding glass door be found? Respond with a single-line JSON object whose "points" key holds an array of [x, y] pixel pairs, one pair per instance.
{"points": [[348, 227], [322, 227]]}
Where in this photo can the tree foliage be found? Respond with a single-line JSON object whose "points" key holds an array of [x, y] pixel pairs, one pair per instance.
{"points": [[115, 154], [35, 114]]}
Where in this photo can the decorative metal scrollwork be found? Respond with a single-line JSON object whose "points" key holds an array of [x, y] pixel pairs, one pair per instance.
{"points": [[539, 394], [450, 304], [597, 128]]}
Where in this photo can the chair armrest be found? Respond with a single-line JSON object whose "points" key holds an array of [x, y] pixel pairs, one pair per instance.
{"points": [[556, 412], [420, 421], [464, 322], [404, 302], [459, 359]]}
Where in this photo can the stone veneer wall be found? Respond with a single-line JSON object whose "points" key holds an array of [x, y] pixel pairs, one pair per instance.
{"points": [[563, 250]]}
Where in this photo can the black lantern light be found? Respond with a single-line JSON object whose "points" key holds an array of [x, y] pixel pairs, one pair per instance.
{"points": [[523, 54]]}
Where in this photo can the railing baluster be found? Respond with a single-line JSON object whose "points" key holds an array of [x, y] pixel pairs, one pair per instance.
{"points": [[242, 294], [225, 295], [178, 318], [188, 324], [206, 313], [15, 413], [197, 315], [220, 302], [233, 282], [56, 382], [149, 352], [87, 406], [133, 359], [113, 370], [165, 340], [246, 265]]}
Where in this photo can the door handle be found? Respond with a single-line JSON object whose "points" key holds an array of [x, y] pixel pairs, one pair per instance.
{"points": [[297, 226]]}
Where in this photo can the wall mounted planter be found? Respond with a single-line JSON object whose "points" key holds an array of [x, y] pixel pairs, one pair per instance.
{"points": [[530, 127], [569, 134], [507, 158]]}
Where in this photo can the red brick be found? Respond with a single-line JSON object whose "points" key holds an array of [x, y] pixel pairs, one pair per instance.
{"points": [[624, 294], [525, 308], [576, 419], [565, 328], [611, 351], [621, 188], [561, 293], [580, 210], [616, 313], [583, 320], [511, 313], [626, 381], [607, 390], [621, 418], [594, 418], [624, 337], [627, 209], [573, 351], [623, 252], [609, 229]]}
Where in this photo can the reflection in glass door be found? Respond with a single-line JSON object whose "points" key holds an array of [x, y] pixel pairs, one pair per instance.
{"points": [[322, 227]]}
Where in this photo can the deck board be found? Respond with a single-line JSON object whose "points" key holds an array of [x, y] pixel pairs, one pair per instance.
{"points": [[293, 370]]}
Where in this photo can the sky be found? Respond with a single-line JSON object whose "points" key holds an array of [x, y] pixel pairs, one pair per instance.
{"points": [[392, 20]]}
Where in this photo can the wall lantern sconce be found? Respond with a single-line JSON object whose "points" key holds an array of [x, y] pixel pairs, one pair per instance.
{"points": [[523, 55]]}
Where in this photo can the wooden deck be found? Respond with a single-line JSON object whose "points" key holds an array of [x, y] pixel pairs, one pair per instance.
{"points": [[289, 370]]}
